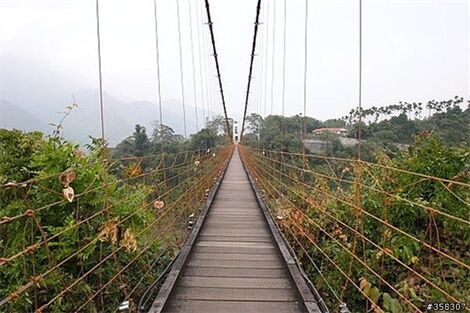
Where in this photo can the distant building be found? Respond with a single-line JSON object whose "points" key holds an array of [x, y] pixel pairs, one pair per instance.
{"points": [[319, 146], [236, 135], [337, 131]]}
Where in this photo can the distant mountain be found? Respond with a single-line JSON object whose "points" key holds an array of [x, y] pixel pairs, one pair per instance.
{"points": [[12, 116], [84, 121]]}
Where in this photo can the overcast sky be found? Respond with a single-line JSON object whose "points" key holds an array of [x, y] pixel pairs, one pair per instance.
{"points": [[414, 50]]}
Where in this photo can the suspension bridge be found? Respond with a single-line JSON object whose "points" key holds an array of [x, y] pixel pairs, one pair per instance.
{"points": [[232, 228]]}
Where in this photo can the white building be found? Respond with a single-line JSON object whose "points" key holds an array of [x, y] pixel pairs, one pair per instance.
{"points": [[332, 130], [235, 132]]}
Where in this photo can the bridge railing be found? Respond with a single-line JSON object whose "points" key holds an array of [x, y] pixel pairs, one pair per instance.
{"points": [[373, 236], [88, 233]]}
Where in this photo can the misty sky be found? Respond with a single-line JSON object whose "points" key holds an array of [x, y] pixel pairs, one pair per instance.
{"points": [[414, 50]]}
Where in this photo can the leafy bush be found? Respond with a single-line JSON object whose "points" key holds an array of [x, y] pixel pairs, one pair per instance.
{"points": [[70, 237]]}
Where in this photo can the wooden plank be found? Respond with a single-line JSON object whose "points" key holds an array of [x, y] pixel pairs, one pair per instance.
{"points": [[235, 250], [238, 210], [230, 214], [238, 201], [234, 256], [235, 294], [232, 244], [235, 272], [257, 232], [236, 219], [191, 306], [249, 229], [237, 238], [236, 264], [235, 282], [230, 224]]}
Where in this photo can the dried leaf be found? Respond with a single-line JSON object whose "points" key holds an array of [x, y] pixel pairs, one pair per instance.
{"points": [[158, 204], [67, 177], [129, 242], [133, 170], [68, 193], [109, 231], [363, 283], [14, 184], [79, 154]]}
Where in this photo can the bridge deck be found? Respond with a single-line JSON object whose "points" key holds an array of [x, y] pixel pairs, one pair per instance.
{"points": [[235, 264]]}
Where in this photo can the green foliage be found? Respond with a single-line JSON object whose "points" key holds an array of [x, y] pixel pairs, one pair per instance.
{"points": [[164, 139], [16, 149], [220, 125], [136, 145], [400, 122], [29, 156], [205, 139], [427, 155], [452, 126]]}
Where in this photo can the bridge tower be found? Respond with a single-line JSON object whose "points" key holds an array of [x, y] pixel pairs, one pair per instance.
{"points": [[235, 132]]}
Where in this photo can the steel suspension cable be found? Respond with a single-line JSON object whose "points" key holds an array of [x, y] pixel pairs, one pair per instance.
{"points": [[253, 50], [193, 63], [260, 73], [206, 66], [304, 126], [273, 59], [210, 93], [157, 59], [468, 53], [214, 48], [200, 59], [359, 133], [209, 81], [181, 66], [284, 47], [100, 72], [266, 35], [284, 75], [208, 78]]}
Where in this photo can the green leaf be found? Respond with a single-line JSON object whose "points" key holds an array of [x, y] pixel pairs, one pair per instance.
{"points": [[390, 304]]}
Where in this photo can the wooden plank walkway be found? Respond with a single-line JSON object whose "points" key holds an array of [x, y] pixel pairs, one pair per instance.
{"points": [[235, 264]]}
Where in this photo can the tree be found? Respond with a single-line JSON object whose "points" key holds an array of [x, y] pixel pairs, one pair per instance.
{"points": [[166, 135], [254, 124], [141, 141], [205, 139], [220, 125], [136, 145], [452, 126], [334, 123]]}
